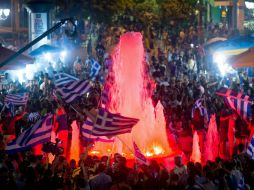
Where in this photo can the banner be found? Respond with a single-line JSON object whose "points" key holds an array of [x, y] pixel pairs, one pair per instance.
{"points": [[39, 25]]}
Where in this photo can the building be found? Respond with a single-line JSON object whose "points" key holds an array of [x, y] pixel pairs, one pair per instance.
{"points": [[230, 12], [14, 26]]}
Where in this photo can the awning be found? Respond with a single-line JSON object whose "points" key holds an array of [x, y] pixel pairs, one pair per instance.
{"points": [[45, 49], [18, 63], [245, 59], [234, 46]]}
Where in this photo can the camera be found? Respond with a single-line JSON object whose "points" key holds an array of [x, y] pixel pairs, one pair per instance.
{"points": [[53, 148]]}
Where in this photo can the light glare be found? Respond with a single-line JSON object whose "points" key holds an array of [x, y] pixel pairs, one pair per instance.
{"points": [[249, 5], [48, 56], [6, 12], [219, 58]]}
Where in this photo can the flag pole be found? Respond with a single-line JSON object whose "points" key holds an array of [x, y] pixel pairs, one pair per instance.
{"points": [[126, 145], [224, 95], [2, 109], [110, 155], [93, 118]]}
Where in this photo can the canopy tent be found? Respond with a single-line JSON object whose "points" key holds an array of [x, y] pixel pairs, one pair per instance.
{"points": [[45, 49], [234, 46], [18, 63], [245, 59]]}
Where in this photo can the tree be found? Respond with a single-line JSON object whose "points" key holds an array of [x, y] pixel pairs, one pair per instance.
{"points": [[103, 11], [177, 9], [147, 12]]}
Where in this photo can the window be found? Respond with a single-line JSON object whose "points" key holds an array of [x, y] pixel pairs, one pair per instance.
{"points": [[5, 21]]}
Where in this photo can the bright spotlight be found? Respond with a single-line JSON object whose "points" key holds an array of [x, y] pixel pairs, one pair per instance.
{"points": [[30, 69], [20, 75], [63, 54], [225, 68], [48, 56], [219, 58]]}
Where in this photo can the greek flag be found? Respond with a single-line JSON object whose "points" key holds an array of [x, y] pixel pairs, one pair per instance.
{"points": [[199, 105], [241, 184], [11, 108], [38, 134], [87, 130], [138, 154], [17, 99], [62, 78], [33, 117], [237, 101], [95, 69], [73, 90], [250, 149], [104, 97], [109, 124]]}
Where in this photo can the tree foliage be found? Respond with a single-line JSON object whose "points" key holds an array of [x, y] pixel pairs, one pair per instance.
{"points": [[105, 10], [145, 11], [177, 9]]}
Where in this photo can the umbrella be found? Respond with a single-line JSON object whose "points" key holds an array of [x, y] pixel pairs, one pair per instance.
{"points": [[45, 49], [217, 39], [235, 46], [18, 63], [245, 59]]}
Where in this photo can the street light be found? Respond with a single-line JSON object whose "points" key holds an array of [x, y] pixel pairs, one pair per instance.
{"points": [[4, 13]]}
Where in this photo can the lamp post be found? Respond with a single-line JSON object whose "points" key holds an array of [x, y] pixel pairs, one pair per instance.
{"points": [[4, 14]]}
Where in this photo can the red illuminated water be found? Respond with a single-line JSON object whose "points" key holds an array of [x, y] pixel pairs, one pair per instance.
{"points": [[74, 151], [196, 154], [212, 141], [130, 96]]}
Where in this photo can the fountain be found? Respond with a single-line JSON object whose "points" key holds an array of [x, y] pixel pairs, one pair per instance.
{"points": [[130, 93]]}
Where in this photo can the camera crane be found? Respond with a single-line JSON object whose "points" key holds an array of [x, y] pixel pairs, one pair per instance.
{"points": [[36, 40]]}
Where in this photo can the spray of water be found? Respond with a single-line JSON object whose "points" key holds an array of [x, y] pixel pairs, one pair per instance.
{"points": [[196, 154], [130, 95], [74, 151], [231, 135], [212, 141]]}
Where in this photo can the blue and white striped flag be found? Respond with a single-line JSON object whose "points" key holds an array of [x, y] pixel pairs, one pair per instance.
{"points": [[238, 102], [241, 184], [17, 99], [62, 78], [109, 124], [87, 130], [33, 117], [38, 134], [250, 148], [11, 108], [95, 69], [138, 154], [104, 98], [72, 90], [199, 105]]}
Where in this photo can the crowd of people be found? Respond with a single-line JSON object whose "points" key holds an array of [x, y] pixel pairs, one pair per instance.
{"points": [[177, 63], [28, 171]]}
